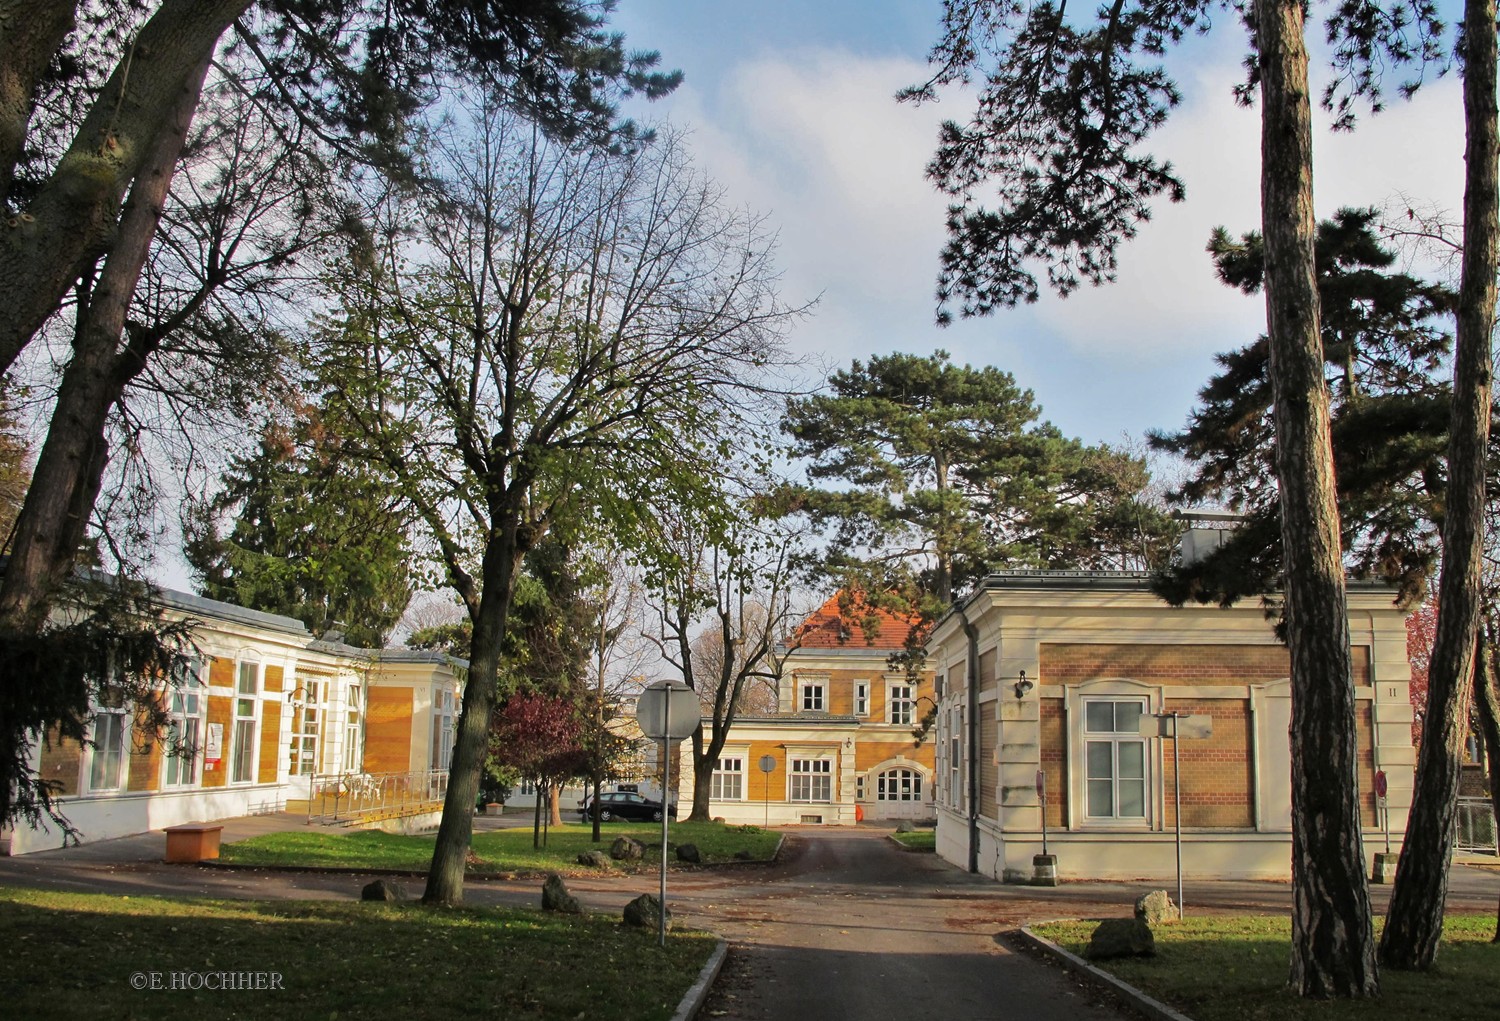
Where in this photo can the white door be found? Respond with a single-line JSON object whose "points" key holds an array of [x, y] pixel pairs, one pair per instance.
{"points": [[900, 793]]}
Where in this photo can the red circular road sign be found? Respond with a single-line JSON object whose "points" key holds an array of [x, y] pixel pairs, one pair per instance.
{"points": [[1380, 784]]}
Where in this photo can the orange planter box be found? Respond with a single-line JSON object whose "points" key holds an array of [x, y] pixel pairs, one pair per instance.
{"points": [[192, 843]]}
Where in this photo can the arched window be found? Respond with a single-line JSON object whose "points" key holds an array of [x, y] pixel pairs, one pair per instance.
{"points": [[899, 785]]}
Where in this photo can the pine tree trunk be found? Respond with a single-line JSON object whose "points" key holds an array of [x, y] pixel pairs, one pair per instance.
{"points": [[471, 746], [31, 31], [1333, 947], [71, 218], [70, 465], [1414, 924], [1487, 702]]}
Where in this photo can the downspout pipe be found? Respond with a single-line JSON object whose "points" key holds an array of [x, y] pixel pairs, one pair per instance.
{"points": [[972, 723]]}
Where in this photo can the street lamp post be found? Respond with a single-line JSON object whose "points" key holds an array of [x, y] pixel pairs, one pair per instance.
{"points": [[1179, 727], [667, 711]]}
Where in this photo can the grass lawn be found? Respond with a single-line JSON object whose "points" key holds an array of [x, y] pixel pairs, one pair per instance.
{"points": [[73, 955], [1235, 969], [918, 840], [506, 850]]}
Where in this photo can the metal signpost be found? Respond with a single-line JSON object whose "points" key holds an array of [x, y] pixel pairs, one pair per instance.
{"points": [[667, 711], [768, 766], [1179, 727], [1385, 810], [1041, 793]]}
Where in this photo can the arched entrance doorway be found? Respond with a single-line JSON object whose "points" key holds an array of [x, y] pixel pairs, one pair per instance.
{"points": [[898, 792]]}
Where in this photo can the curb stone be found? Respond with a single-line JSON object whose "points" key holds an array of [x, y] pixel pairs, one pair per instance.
{"points": [[1145, 1004], [692, 1000], [909, 850]]}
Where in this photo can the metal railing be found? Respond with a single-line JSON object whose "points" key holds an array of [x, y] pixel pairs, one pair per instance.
{"points": [[1476, 826], [353, 797]]}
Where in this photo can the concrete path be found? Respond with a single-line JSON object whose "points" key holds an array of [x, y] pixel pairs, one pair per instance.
{"points": [[846, 925]]}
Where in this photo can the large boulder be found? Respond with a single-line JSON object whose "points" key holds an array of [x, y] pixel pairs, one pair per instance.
{"points": [[555, 896], [689, 853], [906, 826], [1121, 937], [384, 890], [627, 849], [1155, 907], [596, 859], [645, 912]]}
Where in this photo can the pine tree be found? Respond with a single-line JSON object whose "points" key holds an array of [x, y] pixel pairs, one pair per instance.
{"points": [[946, 473], [1384, 340], [316, 535], [15, 466]]}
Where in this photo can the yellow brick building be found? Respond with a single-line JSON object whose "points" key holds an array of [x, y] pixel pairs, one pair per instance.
{"points": [[839, 746], [263, 710], [1058, 675]]}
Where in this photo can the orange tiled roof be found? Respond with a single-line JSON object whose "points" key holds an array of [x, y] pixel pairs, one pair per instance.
{"points": [[826, 628]]}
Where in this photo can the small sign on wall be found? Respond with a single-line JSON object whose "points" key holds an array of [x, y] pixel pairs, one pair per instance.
{"points": [[213, 746]]}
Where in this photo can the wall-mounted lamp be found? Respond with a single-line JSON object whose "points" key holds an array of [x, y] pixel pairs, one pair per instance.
{"points": [[1023, 685]]}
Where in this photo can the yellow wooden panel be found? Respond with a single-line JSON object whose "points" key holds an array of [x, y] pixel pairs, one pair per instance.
{"points": [[220, 711], [270, 740], [221, 672], [60, 763], [144, 770], [275, 676], [388, 722]]}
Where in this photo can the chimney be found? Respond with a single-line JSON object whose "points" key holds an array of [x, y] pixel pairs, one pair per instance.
{"points": [[1206, 531]]}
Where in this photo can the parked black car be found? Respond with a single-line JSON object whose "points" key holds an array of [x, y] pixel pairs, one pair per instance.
{"points": [[624, 805]]}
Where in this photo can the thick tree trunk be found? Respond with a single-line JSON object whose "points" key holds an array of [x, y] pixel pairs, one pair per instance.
{"points": [[70, 221], [1487, 702], [71, 463], [445, 876], [1414, 924], [30, 33], [704, 759], [1333, 946]]}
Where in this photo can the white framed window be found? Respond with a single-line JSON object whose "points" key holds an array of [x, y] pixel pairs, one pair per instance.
{"points": [[859, 787], [955, 758], [810, 780], [728, 782], [899, 704], [814, 696], [353, 752], [246, 718], [899, 785], [184, 745], [1114, 759], [107, 753], [861, 698], [305, 726], [442, 729]]}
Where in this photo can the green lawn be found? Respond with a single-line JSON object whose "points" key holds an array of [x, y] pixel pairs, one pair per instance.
{"points": [[918, 840], [1235, 969], [86, 955], [506, 850]]}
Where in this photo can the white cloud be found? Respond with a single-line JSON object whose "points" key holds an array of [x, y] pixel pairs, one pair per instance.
{"points": [[815, 140]]}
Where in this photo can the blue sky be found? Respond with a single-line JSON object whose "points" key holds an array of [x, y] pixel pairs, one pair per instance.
{"points": [[789, 105]]}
